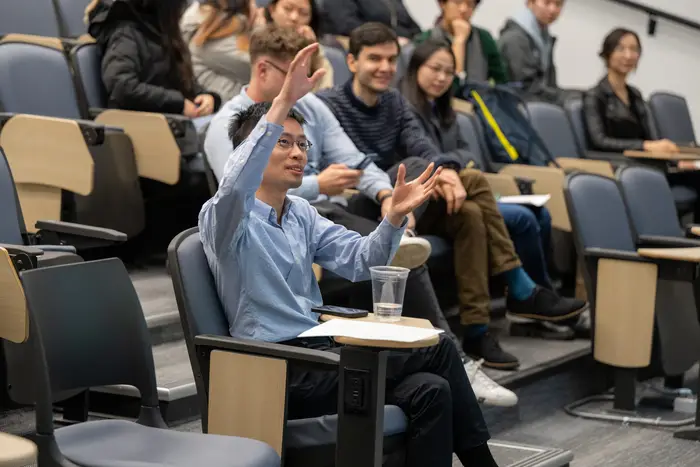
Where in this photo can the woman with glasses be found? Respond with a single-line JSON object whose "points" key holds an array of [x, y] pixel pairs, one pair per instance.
{"points": [[476, 52], [428, 87]]}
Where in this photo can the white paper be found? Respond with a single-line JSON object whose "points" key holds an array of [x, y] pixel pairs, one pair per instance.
{"points": [[369, 330], [531, 200]]}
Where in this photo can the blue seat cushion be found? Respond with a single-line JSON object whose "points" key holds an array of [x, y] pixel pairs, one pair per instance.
{"points": [[121, 443], [315, 432]]}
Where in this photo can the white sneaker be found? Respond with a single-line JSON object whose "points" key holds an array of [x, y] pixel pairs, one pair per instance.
{"points": [[412, 253], [487, 390]]}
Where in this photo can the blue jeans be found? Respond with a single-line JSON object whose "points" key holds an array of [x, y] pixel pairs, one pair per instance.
{"points": [[530, 229]]}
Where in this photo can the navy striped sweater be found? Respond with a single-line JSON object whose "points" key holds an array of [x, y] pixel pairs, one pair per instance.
{"points": [[387, 132]]}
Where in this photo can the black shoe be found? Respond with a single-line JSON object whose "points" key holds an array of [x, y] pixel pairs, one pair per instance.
{"points": [[486, 347], [545, 305]]}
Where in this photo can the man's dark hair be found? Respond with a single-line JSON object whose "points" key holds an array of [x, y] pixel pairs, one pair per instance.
{"points": [[371, 34], [242, 123]]}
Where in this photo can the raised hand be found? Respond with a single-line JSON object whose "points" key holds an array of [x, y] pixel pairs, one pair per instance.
{"points": [[408, 196], [298, 83]]}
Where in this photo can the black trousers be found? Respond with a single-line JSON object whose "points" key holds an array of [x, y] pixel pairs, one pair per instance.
{"points": [[429, 385]]}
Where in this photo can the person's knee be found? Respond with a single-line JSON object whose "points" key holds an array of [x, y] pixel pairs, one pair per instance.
{"points": [[520, 220], [435, 391], [545, 219], [471, 216]]}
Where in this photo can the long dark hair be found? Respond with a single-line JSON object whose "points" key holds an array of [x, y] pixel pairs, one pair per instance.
{"points": [[314, 22], [413, 92], [166, 15], [612, 40]]}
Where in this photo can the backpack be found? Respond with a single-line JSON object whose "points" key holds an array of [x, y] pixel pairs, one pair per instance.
{"points": [[509, 135]]}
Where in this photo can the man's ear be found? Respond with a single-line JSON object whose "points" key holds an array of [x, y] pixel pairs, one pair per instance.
{"points": [[352, 63]]}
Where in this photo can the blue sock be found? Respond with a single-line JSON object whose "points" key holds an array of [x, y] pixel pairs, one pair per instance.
{"points": [[520, 286], [473, 331]]}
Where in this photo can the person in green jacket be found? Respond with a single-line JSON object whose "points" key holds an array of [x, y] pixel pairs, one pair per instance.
{"points": [[476, 51]]}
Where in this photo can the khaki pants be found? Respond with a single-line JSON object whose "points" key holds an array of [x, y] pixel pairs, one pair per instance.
{"points": [[482, 245]]}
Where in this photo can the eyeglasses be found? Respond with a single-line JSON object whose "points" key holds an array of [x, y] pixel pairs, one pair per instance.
{"points": [[286, 143], [277, 67], [438, 70]]}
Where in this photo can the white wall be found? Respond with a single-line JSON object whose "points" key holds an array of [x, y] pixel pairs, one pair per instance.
{"points": [[669, 59]]}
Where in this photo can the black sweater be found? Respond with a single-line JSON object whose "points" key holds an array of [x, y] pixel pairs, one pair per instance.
{"points": [[388, 132]]}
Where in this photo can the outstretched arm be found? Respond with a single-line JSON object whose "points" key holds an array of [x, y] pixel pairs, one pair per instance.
{"points": [[223, 216]]}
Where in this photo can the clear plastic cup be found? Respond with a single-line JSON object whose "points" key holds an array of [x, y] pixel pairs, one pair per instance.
{"points": [[388, 287]]}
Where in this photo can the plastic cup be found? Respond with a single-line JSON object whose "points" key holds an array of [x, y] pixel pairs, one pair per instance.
{"points": [[388, 287]]}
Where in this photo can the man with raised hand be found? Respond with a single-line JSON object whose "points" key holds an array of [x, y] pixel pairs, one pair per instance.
{"points": [[261, 243]]}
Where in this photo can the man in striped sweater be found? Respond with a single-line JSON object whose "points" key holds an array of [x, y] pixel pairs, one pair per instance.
{"points": [[380, 122]]}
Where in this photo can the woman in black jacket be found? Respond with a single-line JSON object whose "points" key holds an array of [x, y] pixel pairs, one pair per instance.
{"points": [[616, 117], [428, 87], [146, 65]]}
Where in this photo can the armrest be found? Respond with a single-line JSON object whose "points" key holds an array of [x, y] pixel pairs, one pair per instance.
{"points": [[525, 184], [268, 349], [661, 157], [81, 230], [606, 253], [27, 250], [615, 158], [598, 167], [669, 242]]}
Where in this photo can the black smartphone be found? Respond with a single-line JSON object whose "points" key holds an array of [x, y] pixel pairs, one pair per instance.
{"points": [[363, 165], [340, 311]]}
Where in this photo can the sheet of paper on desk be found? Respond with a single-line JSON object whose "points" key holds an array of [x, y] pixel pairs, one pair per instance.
{"points": [[370, 331], [531, 200]]}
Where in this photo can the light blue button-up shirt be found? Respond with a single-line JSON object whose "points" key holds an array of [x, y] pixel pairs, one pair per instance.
{"points": [[330, 146], [263, 269]]}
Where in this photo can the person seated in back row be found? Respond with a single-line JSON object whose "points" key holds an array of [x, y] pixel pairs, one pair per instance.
{"points": [[331, 167], [427, 87], [477, 58], [380, 122], [342, 16], [527, 48], [146, 65], [261, 243]]}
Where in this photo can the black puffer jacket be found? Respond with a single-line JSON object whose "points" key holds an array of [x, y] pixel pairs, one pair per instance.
{"points": [[136, 72]]}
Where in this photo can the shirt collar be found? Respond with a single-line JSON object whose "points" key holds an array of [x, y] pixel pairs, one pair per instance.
{"points": [[266, 211]]}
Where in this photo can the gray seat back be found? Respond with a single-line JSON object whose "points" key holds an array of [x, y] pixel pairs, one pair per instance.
{"points": [[87, 64], [403, 61], [469, 129], [89, 330], [598, 214], [341, 72], [37, 80], [553, 125], [650, 202], [198, 302], [70, 14], [574, 109], [672, 117], [11, 221], [36, 17]]}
